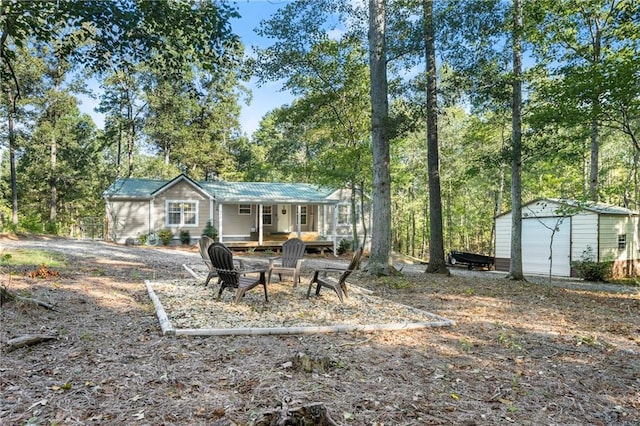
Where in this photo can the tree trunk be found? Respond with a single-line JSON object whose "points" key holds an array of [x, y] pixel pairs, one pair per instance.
{"points": [[11, 112], [595, 128], [52, 179], [515, 267], [131, 129], [436, 241], [593, 171], [379, 259]]}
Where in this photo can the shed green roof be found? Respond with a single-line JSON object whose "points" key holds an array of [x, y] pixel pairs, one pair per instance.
{"points": [[228, 192]]}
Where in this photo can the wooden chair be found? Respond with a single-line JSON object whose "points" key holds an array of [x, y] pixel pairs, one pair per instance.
{"points": [[232, 277], [204, 244], [290, 261], [338, 284]]}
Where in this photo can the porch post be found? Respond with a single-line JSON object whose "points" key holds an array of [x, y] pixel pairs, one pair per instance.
{"points": [[335, 226], [260, 224], [150, 218], [298, 219], [212, 206], [219, 222]]}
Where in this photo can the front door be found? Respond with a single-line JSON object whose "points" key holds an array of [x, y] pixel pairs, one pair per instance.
{"points": [[284, 218]]}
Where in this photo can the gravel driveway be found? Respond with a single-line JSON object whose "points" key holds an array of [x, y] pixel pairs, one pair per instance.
{"points": [[175, 256]]}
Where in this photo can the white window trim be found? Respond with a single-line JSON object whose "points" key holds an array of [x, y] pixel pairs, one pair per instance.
{"points": [[181, 224], [622, 240], [267, 214], [304, 215], [245, 214]]}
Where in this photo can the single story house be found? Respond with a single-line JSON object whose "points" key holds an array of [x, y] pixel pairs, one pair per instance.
{"points": [[579, 229], [245, 214]]}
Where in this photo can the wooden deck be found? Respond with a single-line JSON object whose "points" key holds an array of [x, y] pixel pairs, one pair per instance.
{"points": [[276, 246]]}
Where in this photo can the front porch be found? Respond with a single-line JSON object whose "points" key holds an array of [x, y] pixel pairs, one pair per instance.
{"points": [[274, 240]]}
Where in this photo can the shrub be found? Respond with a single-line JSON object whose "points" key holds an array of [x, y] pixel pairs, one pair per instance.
{"points": [[31, 223], [591, 270], [210, 231], [143, 239], [165, 236], [345, 246], [185, 237], [52, 228]]}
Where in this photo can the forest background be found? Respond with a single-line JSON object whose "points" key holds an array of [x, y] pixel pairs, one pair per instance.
{"points": [[173, 75]]}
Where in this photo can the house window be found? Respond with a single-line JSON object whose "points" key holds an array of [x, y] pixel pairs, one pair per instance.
{"points": [[180, 213], [266, 215], [303, 215], [343, 214], [622, 242], [244, 209]]}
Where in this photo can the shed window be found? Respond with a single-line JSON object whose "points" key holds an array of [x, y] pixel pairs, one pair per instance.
{"points": [[622, 242], [266, 215], [244, 209], [181, 213]]}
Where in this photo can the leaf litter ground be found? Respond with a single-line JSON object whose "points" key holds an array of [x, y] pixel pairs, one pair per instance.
{"points": [[520, 353]]}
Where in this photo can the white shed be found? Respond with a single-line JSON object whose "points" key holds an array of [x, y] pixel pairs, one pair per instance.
{"points": [[608, 233]]}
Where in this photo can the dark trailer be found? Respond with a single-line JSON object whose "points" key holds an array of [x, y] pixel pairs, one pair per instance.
{"points": [[470, 259]]}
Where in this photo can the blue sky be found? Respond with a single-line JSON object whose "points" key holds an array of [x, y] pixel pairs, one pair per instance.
{"points": [[265, 98], [269, 96]]}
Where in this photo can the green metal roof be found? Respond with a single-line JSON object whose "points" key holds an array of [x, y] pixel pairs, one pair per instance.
{"points": [[133, 188], [228, 192]]}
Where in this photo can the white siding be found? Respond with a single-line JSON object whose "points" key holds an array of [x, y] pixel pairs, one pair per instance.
{"points": [[503, 236], [542, 208], [610, 228], [537, 247], [588, 229], [584, 234]]}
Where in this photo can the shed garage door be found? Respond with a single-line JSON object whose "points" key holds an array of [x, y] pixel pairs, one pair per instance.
{"points": [[536, 238]]}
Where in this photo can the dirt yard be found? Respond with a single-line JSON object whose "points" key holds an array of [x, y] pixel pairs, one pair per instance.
{"points": [[526, 353]]}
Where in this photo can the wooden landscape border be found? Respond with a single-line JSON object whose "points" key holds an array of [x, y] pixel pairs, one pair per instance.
{"points": [[169, 330]]}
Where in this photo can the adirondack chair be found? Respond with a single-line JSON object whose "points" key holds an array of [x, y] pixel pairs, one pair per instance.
{"points": [[204, 244], [322, 278], [233, 278], [290, 262]]}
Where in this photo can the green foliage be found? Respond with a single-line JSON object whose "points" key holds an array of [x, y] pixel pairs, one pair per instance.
{"points": [[345, 246], [590, 269], [31, 223], [165, 236], [210, 231], [185, 237], [52, 227], [142, 238], [6, 258]]}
